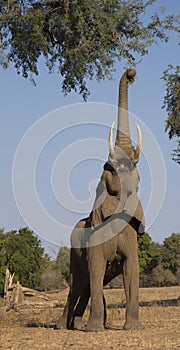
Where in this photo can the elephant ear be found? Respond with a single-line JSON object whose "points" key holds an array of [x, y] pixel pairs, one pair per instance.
{"points": [[134, 209]]}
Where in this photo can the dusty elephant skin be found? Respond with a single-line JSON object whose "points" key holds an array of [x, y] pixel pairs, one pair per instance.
{"points": [[105, 244]]}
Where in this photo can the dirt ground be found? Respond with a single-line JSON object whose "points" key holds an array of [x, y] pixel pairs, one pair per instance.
{"points": [[19, 329]]}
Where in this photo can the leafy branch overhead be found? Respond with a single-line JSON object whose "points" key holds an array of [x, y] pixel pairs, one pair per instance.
{"points": [[80, 38]]}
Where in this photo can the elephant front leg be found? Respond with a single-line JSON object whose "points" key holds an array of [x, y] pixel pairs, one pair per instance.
{"points": [[66, 320], [62, 320], [97, 267], [131, 285]]}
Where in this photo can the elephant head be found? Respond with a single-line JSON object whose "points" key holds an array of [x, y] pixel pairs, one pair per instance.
{"points": [[120, 178]]}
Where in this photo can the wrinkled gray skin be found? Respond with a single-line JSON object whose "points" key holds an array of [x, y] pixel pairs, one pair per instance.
{"points": [[105, 244]]}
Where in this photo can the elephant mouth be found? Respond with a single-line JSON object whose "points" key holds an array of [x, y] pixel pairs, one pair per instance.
{"points": [[121, 166]]}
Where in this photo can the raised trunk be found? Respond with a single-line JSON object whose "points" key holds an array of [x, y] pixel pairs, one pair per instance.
{"points": [[123, 139]]}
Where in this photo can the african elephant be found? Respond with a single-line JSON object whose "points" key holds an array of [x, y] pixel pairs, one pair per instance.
{"points": [[105, 244]]}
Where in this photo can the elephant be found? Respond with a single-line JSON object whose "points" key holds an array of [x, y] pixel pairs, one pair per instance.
{"points": [[104, 244]]}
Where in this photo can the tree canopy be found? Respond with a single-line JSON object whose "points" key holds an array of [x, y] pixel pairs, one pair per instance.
{"points": [[159, 264], [62, 262], [23, 254], [80, 38], [171, 253], [171, 77], [148, 252]]}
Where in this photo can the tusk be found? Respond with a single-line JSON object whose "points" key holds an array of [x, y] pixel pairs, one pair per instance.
{"points": [[139, 145], [111, 146]]}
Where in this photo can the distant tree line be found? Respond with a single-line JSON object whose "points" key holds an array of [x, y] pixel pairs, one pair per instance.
{"points": [[57, 274], [159, 263], [22, 253]]}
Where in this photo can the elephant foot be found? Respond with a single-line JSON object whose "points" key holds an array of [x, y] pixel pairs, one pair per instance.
{"points": [[79, 324], [133, 324], [95, 326], [61, 323]]}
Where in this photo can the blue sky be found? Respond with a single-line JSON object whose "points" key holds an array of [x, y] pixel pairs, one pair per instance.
{"points": [[22, 105]]}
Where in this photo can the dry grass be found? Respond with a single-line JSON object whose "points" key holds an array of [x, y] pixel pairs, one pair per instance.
{"points": [[161, 327], [145, 294]]}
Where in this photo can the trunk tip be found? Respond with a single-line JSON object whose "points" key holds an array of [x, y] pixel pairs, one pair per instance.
{"points": [[130, 73]]}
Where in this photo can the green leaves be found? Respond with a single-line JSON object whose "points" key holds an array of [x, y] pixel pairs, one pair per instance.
{"points": [[159, 264], [22, 253], [172, 100], [148, 254], [171, 253], [62, 263], [171, 76], [77, 37]]}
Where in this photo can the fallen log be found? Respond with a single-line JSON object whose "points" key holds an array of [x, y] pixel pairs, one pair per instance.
{"points": [[51, 304], [15, 294]]}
